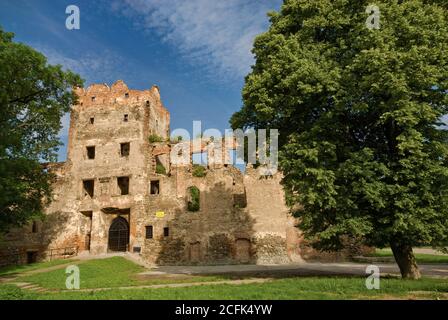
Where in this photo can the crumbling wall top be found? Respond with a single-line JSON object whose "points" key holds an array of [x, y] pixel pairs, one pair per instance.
{"points": [[117, 93]]}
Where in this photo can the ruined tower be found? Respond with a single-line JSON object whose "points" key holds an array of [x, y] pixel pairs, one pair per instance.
{"points": [[109, 159]]}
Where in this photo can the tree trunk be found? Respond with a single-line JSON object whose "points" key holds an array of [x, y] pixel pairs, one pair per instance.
{"points": [[404, 256]]}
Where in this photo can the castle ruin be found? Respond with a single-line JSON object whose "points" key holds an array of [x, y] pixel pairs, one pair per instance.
{"points": [[118, 191]]}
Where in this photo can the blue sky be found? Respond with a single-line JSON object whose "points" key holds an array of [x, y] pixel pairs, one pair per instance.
{"points": [[196, 51]]}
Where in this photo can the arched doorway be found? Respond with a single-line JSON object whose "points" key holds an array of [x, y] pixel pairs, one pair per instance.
{"points": [[119, 235]]}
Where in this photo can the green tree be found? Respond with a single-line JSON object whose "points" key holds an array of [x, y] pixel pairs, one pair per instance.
{"points": [[33, 97], [359, 111]]}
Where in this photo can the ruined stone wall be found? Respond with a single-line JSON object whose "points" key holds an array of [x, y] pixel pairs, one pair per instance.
{"points": [[58, 227], [206, 236], [277, 237], [225, 229]]}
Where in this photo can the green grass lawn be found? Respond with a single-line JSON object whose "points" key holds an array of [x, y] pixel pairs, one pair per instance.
{"points": [[421, 257], [107, 273], [119, 272], [112, 272], [34, 266]]}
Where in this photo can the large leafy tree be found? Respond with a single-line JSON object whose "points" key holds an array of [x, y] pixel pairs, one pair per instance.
{"points": [[362, 146], [33, 97]]}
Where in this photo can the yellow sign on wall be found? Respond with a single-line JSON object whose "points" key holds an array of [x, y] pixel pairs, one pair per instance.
{"points": [[160, 214]]}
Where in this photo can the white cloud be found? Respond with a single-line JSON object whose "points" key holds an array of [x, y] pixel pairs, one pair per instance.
{"points": [[101, 67], [217, 35]]}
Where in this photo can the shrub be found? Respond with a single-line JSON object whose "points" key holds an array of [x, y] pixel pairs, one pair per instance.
{"points": [[160, 169], [176, 139], [155, 138], [194, 196], [198, 171]]}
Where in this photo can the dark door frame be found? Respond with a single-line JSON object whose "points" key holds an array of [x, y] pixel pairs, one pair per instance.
{"points": [[118, 238]]}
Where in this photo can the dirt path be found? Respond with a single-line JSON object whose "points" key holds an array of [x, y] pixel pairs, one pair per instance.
{"points": [[428, 251], [176, 285], [15, 276], [37, 288]]}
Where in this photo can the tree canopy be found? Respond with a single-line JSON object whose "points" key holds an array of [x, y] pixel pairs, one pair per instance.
{"points": [[33, 98], [362, 145]]}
